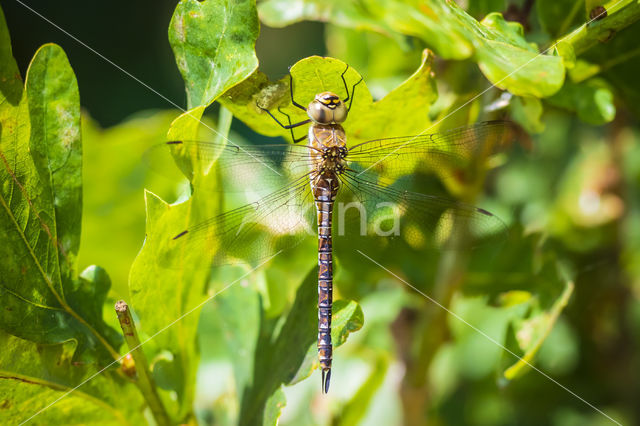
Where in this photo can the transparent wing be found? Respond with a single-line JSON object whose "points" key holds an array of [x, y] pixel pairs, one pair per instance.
{"points": [[369, 213], [257, 166], [249, 233], [449, 153]]}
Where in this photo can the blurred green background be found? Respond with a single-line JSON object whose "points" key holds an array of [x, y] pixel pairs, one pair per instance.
{"points": [[572, 201]]}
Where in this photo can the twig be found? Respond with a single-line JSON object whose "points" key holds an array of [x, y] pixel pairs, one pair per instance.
{"points": [[617, 15], [145, 382]]}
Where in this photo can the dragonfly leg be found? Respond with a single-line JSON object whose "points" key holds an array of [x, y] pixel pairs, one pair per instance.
{"points": [[289, 126], [346, 88], [293, 138], [353, 92], [291, 91]]}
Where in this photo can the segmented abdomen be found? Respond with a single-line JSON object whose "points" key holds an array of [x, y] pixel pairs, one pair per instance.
{"points": [[325, 282]]}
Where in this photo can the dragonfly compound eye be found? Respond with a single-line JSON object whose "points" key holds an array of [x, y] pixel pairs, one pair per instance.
{"points": [[319, 112], [327, 108]]}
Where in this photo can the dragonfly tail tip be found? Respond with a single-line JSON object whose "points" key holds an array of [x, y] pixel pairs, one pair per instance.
{"points": [[326, 377]]}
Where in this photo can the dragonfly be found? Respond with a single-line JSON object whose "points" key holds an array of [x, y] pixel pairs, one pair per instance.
{"points": [[334, 191]]}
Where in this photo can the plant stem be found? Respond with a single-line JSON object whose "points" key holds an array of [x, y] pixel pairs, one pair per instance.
{"points": [[144, 380], [620, 14]]}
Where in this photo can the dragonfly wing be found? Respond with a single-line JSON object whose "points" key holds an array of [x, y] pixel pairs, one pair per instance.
{"points": [[449, 154], [370, 213], [256, 166], [250, 233]]}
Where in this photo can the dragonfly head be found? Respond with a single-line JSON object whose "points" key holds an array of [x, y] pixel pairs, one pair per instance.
{"points": [[327, 108]]}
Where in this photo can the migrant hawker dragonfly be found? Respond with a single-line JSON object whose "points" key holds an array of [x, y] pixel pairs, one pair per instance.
{"points": [[352, 199]]}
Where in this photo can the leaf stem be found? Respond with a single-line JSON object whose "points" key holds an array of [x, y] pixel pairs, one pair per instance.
{"points": [[620, 14], [145, 381]]}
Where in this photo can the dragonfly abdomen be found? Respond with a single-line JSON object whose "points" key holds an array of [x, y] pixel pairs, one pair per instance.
{"points": [[324, 206]]}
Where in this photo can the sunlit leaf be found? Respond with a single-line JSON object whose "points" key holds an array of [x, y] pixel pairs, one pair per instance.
{"points": [[502, 53], [213, 42], [33, 377], [170, 297], [271, 353], [53, 334], [356, 408], [316, 74], [42, 173]]}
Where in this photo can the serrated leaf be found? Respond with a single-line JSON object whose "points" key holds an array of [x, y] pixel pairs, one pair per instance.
{"points": [[214, 45]]}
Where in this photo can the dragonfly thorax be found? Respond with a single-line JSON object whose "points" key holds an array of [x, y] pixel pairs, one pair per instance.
{"points": [[327, 108], [333, 160]]}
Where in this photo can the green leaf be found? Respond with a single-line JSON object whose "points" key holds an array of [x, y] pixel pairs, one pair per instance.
{"points": [[316, 74], [169, 299], [533, 331], [527, 111], [160, 297], [41, 206], [53, 335], [374, 55], [426, 20], [476, 354], [34, 376], [502, 53], [620, 14], [269, 353], [479, 8], [617, 61], [354, 411], [592, 100], [510, 63], [113, 167], [214, 45]]}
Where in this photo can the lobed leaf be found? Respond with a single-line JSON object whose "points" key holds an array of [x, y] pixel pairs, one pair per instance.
{"points": [[52, 331], [41, 198], [316, 74], [502, 53]]}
